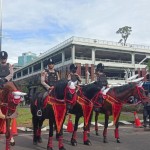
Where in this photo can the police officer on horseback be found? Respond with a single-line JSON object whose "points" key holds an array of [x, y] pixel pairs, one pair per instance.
{"points": [[74, 76], [100, 75], [49, 77], [6, 73]]}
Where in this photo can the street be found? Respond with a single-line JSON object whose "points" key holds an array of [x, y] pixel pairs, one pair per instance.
{"points": [[131, 139]]}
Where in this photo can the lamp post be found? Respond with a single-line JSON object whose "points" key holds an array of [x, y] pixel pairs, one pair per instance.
{"points": [[0, 25]]}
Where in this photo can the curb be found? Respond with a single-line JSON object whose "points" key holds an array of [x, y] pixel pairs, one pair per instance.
{"points": [[27, 129]]}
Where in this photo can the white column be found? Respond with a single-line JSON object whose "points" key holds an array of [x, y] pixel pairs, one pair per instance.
{"points": [[93, 56], [133, 59], [133, 63], [41, 65], [73, 54]]}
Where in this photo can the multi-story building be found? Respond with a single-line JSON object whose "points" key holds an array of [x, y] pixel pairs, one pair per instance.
{"points": [[26, 58], [87, 53]]}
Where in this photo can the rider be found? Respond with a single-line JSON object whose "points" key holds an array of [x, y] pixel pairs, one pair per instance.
{"points": [[74, 76], [100, 75], [6, 73], [48, 79]]}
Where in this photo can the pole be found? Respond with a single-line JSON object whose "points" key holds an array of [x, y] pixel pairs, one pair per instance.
{"points": [[0, 25]]}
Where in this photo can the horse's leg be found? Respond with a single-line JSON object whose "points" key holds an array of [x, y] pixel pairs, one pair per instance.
{"points": [[85, 135], [74, 134], [117, 130], [60, 139], [50, 140], [39, 138], [35, 129], [89, 123], [96, 123], [8, 134], [105, 128]]}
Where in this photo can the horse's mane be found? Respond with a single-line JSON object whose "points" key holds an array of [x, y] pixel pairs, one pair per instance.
{"points": [[120, 90], [90, 90], [60, 88]]}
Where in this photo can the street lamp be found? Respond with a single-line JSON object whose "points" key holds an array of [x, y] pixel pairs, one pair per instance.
{"points": [[0, 25]]}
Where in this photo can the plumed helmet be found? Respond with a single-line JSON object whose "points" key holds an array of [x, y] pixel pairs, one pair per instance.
{"points": [[100, 67], [73, 67], [50, 61], [3, 55]]}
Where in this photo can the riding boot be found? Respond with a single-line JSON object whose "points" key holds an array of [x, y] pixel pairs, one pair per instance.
{"points": [[2, 116]]}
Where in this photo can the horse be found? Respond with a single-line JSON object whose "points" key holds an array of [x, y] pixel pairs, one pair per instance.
{"points": [[10, 97], [55, 107], [83, 107], [114, 99]]}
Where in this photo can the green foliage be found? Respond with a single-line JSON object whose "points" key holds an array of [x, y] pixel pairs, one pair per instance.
{"points": [[125, 32]]}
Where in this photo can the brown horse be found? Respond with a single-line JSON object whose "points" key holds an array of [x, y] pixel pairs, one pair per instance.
{"points": [[114, 98], [10, 97]]}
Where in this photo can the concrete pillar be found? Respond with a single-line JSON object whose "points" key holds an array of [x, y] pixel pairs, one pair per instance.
{"points": [[133, 59], [93, 56], [79, 68], [92, 72], [73, 54], [144, 73], [86, 73]]}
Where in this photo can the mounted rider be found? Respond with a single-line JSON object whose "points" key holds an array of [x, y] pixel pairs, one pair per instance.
{"points": [[74, 76], [49, 77], [100, 75], [6, 73]]}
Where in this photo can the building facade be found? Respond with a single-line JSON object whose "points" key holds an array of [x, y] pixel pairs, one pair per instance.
{"points": [[86, 54]]}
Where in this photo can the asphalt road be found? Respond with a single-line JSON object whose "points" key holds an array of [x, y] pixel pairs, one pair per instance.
{"points": [[131, 139]]}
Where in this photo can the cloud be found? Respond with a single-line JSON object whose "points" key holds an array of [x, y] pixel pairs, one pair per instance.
{"points": [[37, 25]]}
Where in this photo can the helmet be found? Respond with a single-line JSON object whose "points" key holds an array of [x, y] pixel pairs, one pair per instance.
{"points": [[73, 67], [100, 67], [3, 55], [50, 61]]}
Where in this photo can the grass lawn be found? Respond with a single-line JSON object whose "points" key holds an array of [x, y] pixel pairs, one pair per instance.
{"points": [[25, 118]]}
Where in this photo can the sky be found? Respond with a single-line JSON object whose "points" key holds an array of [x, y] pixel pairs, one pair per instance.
{"points": [[38, 25]]}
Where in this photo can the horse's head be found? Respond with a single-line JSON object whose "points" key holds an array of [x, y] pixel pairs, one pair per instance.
{"points": [[70, 94], [11, 97], [139, 95]]}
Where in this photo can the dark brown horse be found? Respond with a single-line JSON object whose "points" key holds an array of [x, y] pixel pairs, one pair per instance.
{"points": [[55, 107], [84, 107], [114, 98], [10, 97]]}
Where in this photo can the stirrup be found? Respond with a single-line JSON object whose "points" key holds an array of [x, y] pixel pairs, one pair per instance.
{"points": [[39, 113]]}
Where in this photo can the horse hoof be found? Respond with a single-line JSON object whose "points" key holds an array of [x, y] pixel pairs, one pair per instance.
{"points": [[118, 141], [97, 133], [87, 142], [73, 142], [62, 148], [12, 143], [40, 140], [34, 142], [105, 140]]}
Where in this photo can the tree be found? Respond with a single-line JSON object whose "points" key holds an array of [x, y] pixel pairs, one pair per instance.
{"points": [[148, 69], [125, 32]]}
